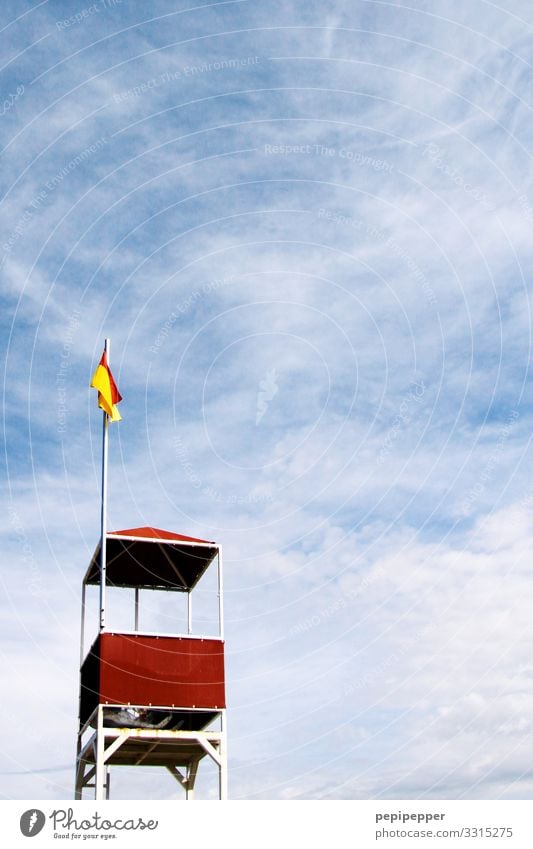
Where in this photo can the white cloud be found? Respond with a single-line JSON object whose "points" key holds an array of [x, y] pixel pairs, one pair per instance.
{"points": [[341, 220]]}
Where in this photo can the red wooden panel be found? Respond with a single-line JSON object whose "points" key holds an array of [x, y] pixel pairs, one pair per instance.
{"points": [[141, 670]]}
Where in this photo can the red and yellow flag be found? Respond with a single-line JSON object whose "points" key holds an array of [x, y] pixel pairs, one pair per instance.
{"points": [[108, 394]]}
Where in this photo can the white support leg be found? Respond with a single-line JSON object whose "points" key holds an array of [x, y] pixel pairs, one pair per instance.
{"points": [[99, 791], [79, 771], [192, 772], [223, 773], [223, 767]]}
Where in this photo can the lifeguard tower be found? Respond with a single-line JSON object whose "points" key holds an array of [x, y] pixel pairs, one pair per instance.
{"points": [[150, 698]]}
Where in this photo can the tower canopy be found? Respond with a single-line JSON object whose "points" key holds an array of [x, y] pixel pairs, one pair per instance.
{"points": [[153, 559]]}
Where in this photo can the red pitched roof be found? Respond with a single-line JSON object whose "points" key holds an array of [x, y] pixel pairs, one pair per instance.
{"points": [[156, 533], [150, 557]]}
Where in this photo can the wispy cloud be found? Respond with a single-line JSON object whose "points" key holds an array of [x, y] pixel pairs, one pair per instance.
{"points": [[307, 231]]}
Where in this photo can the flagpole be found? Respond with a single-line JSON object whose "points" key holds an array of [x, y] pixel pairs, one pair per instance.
{"points": [[103, 513]]}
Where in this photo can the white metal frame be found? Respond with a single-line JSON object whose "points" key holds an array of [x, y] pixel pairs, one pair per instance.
{"points": [[104, 629]]}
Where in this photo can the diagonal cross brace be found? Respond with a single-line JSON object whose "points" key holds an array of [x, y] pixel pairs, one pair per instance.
{"points": [[210, 749], [178, 775], [116, 744]]}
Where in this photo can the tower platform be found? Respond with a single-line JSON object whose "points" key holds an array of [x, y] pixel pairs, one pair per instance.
{"points": [[179, 751]]}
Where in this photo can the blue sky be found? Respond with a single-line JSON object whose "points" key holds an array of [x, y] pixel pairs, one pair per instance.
{"points": [[307, 230]]}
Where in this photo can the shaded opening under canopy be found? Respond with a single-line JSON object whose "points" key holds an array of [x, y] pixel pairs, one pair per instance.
{"points": [[152, 558]]}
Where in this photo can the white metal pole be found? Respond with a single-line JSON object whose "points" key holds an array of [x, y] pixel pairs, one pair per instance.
{"points": [[220, 596], [189, 612], [103, 515], [78, 787], [82, 636], [223, 768], [99, 778]]}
